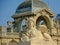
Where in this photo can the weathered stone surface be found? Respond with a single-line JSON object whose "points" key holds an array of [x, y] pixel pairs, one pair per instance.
{"points": [[33, 33], [37, 38]]}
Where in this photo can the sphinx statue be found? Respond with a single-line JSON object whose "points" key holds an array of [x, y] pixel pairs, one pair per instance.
{"points": [[37, 36]]}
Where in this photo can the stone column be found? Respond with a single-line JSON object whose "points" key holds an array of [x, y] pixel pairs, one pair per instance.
{"points": [[50, 23], [52, 27], [18, 22]]}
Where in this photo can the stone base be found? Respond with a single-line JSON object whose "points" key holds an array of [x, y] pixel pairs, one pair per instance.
{"points": [[24, 43]]}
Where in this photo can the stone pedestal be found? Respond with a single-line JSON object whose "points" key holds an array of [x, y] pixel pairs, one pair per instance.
{"points": [[24, 43]]}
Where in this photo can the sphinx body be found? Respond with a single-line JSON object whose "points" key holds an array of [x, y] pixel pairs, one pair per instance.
{"points": [[35, 37]]}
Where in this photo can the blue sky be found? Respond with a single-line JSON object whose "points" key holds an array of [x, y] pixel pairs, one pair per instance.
{"points": [[8, 8]]}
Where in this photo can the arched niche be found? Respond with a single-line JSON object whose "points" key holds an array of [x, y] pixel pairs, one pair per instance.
{"points": [[43, 20], [13, 42], [21, 24]]}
